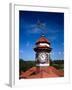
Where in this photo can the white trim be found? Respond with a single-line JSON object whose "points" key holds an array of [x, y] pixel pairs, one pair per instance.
{"points": [[44, 44], [42, 64]]}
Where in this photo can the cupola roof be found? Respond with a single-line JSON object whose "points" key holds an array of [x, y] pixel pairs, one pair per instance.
{"points": [[42, 39]]}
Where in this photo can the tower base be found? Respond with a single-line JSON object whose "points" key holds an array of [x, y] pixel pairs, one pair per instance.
{"points": [[41, 69], [43, 65]]}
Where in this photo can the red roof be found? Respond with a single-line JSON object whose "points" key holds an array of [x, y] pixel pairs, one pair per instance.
{"points": [[42, 39], [45, 73]]}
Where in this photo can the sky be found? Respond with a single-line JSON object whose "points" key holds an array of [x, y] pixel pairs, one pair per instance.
{"points": [[52, 25]]}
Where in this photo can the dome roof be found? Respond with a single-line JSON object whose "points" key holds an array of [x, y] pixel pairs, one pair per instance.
{"points": [[42, 39]]}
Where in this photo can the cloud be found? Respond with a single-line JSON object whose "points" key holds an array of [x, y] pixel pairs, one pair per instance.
{"points": [[35, 29], [53, 53], [27, 44], [38, 29], [59, 53], [31, 29], [21, 51]]}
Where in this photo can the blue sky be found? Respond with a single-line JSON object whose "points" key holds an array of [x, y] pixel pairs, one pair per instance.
{"points": [[29, 32]]}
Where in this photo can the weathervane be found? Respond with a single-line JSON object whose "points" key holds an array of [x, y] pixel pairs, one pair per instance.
{"points": [[41, 26]]}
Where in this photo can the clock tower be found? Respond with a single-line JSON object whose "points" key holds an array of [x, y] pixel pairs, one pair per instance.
{"points": [[42, 49]]}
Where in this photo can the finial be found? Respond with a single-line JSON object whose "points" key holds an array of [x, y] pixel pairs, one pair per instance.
{"points": [[42, 35]]}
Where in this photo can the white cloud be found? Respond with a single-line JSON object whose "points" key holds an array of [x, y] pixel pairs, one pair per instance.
{"points": [[27, 44], [53, 53], [21, 51], [59, 53], [35, 29]]}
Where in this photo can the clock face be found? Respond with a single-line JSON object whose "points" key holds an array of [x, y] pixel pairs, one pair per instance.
{"points": [[42, 57]]}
